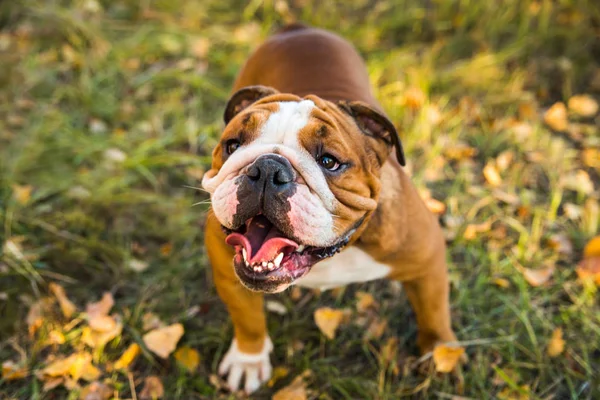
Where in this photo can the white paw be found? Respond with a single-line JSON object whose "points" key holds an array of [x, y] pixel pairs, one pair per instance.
{"points": [[254, 368]]}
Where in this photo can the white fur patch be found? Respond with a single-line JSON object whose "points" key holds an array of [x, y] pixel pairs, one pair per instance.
{"points": [[254, 368], [282, 127], [350, 266]]}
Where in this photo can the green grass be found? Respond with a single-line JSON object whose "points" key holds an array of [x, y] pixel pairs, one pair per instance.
{"points": [[78, 82]]}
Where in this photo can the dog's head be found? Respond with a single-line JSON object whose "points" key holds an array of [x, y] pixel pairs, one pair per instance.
{"points": [[294, 179]]}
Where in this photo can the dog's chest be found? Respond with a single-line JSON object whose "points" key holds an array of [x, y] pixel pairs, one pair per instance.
{"points": [[349, 266]]}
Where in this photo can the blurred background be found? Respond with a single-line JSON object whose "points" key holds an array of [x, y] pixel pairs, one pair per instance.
{"points": [[109, 111]]}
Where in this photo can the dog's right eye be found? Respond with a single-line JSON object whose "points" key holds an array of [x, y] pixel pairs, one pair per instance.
{"points": [[232, 145]]}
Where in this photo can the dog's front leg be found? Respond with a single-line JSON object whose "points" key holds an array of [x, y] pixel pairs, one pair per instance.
{"points": [[248, 356]]}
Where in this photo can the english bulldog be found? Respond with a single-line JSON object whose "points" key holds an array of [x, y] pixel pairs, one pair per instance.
{"points": [[307, 188]]}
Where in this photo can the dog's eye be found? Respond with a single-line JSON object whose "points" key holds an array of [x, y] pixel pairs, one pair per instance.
{"points": [[329, 162], [232, 145]]}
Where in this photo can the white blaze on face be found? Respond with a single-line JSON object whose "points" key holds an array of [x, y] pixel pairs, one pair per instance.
{"points": [[280, 134]]}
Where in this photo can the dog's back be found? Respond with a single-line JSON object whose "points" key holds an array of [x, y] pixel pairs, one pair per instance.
{"points": [[304, 60]]}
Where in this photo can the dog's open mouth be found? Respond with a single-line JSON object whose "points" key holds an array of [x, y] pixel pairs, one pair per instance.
{"points": [[267, 260]]}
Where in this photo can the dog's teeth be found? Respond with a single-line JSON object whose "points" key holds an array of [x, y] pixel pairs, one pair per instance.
{"points": [[264, 263], [245, 255], [270, 266], [277, 260], [258, 269], [300, 249]]}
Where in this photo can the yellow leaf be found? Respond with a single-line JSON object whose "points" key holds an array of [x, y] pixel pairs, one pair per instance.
{"points": [[460, 152], [472, 230], [199, 47], [96, 339], [501, 282], [78, 365], [102, 323], [328, 320], [414, 98], [537, 277], [491, 175], [59, 367], [35, 316], [592, 248], [365, 302], [166, 249], [52, 383], [153, 389], [188, 358], [375, 329], [278, 373], [446, 357], [56, 337], [66, 306], [557, 344], [151, 321], [96, 391], [504, 159], [22, 193], [294, 391], [12, 371], [101, 307], [128, 356], [583, 105], [435, 206], [591, 158], [162, 341], [556, 117], [589, 269]]}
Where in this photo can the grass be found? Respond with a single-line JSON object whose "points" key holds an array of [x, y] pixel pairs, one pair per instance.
{"points": [[109, 111]]}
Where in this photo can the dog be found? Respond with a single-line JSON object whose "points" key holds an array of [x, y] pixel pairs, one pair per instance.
{"points": [[307, 188]]}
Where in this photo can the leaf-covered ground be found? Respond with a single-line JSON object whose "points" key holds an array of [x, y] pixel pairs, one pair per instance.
{"points": [[109, 111]]}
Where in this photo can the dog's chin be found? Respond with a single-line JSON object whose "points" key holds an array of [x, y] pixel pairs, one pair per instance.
{"points": [[267, 261]]}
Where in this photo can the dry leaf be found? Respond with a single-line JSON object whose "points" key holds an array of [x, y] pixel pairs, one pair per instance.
{"points": [[22, 193], [151, 321], [446, 357], [276, 307], [556, 117], [102, 323], [501, 282], [364, 302], [328, 320], [591, 158], [557, 344], [153, 389], [504, 159], [100, 308], [137, 265], [12, 371], [127, 357], [294, 391], [162, 341], [37, 311], [578, 181], [589, 269], [166, 249], [527, 111], [296, 293], [435, 206], [414, 98], [583, 105], [78, 365], [460, 152], [375, 329], [199, 47], [561, 243], [187, 358], [66, 306], [52, 383], [472, 230], [96, 391], [537, 277], [278, 373], [97, 339], [491, 175], [592, 248]]}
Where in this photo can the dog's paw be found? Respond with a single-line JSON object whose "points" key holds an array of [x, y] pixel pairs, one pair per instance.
{"points": [[254, 368]]}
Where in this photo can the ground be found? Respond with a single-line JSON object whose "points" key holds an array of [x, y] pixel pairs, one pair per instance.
{"points": [[108, 114]]}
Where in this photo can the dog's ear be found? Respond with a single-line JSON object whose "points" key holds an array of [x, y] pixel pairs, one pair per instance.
{"points": [[373, 123], [244, 97]]}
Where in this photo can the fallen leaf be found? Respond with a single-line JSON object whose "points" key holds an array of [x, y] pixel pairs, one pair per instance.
{"points": [[278, 373], [12, 371], [472, 230], [296, 293], [375, 329], [166, 249], [199, 47], [96, 391], [504, 159], [127, 357], [52, 383], [588, 269], [151, 321], [153, 388], [510, 393], [276, 307], [187, 358], [37, 311], [66, 306], [365, 301], [578, 181], [77, 365], [294, 391], [22, 193], [137, 265], [583, 105], [561, 243], [491, 175], [557, 344], [446, 357], [537, 277], [414, 98], [97, 126], [162, 341], [328, 320], [460, 152], [96, 339], [115, 156], [556, 117], [102, 323], [527, 111], [592, 248], [100, 308], [501, 282], [435, 206], [56, 337]]}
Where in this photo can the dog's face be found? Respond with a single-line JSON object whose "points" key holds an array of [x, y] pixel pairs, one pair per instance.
{"points": [[293, 179]]}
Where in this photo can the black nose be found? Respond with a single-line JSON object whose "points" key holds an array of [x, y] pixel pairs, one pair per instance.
{"points": [[271, 172]]}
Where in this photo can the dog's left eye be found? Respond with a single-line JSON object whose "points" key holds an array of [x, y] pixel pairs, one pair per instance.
{"points": [[232, 145], [329, 162]]}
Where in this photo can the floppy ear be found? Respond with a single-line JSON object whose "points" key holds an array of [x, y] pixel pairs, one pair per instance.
{"points": [[244, 97], [373, 123]]}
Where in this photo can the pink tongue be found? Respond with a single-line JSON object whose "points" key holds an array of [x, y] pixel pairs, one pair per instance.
{"points": [[262, 240]]}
